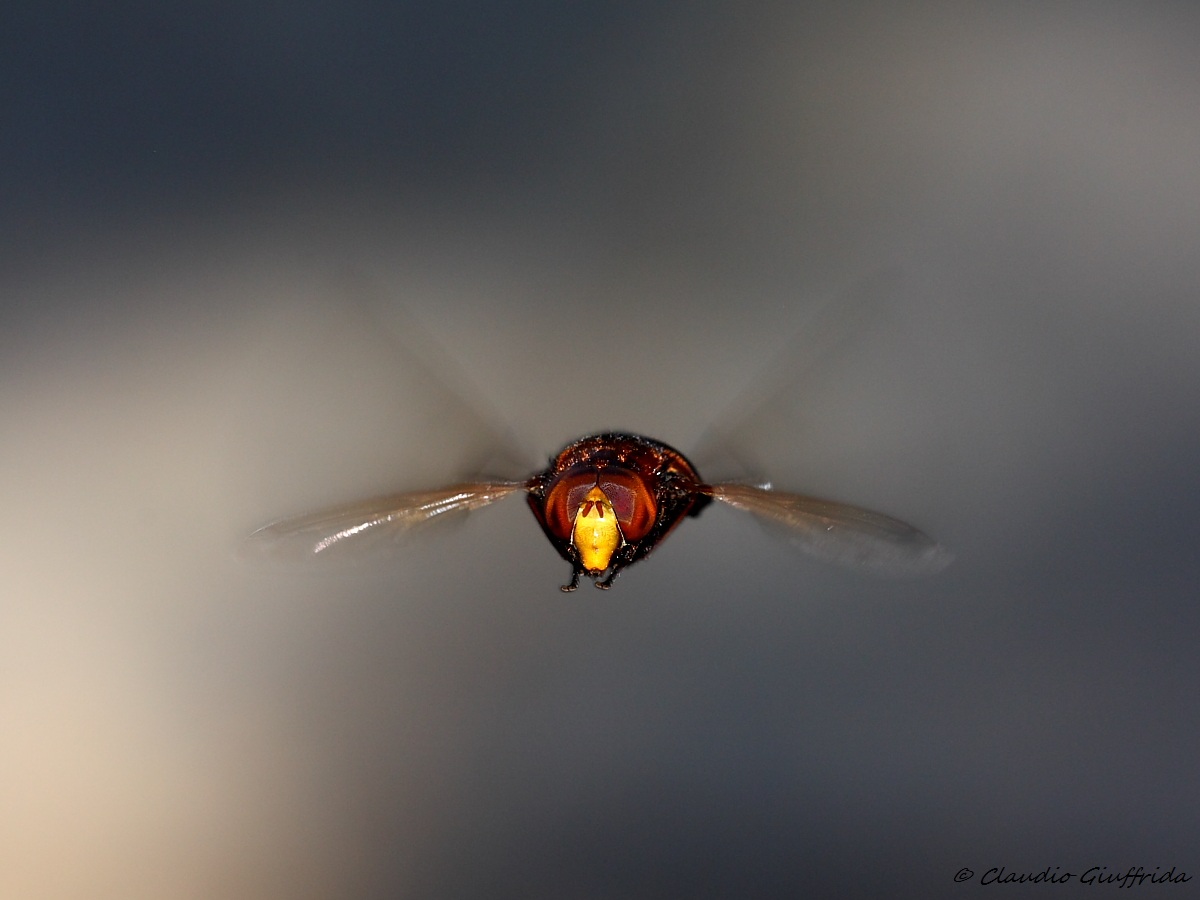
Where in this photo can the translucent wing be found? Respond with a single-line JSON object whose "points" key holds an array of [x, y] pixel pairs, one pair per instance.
{"points": [[331, 530], [733, 444], [840, 533]]}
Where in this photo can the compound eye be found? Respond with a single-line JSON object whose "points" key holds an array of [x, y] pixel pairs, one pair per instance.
{"points": [[627, 493], [623, 500], [632, 501], [563, 502], [576, 493]]}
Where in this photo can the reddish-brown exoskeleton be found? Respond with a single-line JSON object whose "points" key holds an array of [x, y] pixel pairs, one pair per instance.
{"points": [[608, 499]]}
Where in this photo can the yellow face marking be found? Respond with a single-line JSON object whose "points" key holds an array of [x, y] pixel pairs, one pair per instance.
{"points": [[597, 534]]}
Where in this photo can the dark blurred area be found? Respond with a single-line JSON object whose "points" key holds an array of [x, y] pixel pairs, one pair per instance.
{"points": [[931, 259]]}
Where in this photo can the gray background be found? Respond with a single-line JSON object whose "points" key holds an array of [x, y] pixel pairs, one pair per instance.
{"points": [[245, 250]]}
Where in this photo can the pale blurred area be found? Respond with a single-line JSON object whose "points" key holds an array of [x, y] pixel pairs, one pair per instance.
{"points": [[256, 267]]}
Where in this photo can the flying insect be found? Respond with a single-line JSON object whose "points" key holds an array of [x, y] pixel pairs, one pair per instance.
{"points": [[607, 500]]}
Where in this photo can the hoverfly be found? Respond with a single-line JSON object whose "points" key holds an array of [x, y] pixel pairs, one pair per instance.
{"points": [[607, 500]]}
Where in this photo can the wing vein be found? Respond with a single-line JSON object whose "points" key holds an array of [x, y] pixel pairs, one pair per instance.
{"points": [[318, 533], [838, 532]]}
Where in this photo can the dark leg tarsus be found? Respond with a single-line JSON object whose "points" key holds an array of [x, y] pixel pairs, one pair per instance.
{"points": [[607, 582]]}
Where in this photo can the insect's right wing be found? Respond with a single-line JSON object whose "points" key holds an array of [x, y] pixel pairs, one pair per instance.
{"points": [[331, 531], [732, 445], [838, 532]]}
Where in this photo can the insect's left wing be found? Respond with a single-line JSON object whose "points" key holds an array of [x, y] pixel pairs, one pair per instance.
{"points": [[324, 532], [840, 533]]}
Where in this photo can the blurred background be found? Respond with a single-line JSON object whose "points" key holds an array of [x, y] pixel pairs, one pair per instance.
{"points": [[258, 259]]}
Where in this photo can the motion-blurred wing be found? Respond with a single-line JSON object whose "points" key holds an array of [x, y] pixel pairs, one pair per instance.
{"points": [[841, 533], [382, 517]]}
